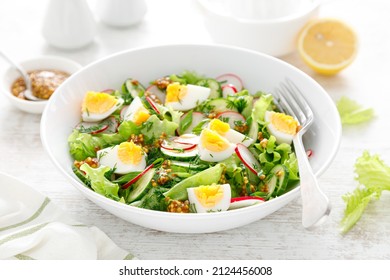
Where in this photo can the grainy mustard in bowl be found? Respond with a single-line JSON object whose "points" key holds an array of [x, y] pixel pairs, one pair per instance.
{"points": [[46, 72]]}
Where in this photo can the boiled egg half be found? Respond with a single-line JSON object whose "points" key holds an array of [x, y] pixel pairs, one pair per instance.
{"points": [[185, 97], [124, 158], [210, 198], [97, 106], [213, 147], [136, 112], [233, 136], [282, 126]]}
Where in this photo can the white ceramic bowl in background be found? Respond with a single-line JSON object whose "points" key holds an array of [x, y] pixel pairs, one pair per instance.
{"points": [[121, 13], [267, 26], [42, 62], [258, 72]]}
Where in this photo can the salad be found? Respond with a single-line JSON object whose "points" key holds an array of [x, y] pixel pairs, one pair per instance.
{"points": [[187, 143]]}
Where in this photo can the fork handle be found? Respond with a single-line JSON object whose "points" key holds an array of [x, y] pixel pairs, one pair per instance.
{"points": [[315, 204]]}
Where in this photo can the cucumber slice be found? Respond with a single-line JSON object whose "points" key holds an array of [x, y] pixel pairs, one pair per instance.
{"points": [[180, 165], [213, 85], [205, 177], [271, 182], [141, 187], [180, 155], [277, 180], [220, 105], [281, 172], [134, 88], [81, 176]]}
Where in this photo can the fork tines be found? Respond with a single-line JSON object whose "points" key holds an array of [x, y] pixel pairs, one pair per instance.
{"points": [[290, 100]]}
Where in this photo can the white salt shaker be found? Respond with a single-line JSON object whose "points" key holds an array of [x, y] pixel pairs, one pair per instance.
{"points": [[69, 24], [121, 13]]}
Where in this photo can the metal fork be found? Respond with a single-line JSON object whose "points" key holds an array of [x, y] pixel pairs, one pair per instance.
{"points": [[315, 205]]}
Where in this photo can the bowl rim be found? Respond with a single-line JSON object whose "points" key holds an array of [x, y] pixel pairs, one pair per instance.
{"points": [[284, 19], [104, 200], [22, 102]]}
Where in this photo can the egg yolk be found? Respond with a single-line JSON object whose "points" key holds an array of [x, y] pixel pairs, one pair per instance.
{"points": [[212, 141], [175, 92], [98, 102], [140, 116], [209, 196], [219, 126], [130, 153], [284, 123]]}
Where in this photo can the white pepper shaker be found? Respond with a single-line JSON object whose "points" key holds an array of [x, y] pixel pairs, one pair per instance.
{"points": [[69, 24], [121, 13]]}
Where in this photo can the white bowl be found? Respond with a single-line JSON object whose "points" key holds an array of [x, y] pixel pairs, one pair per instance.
{"points": [[42, 62], [258, 71], [246, 24]]}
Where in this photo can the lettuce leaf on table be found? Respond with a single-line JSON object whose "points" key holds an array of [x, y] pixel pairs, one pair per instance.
{"points": [[352, 112], [373, 176]]}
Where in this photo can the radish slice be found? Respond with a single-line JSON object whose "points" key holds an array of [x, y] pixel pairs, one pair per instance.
{"points": [[228, 89], [153, 89], [231, 79], [109, 125], [309, 153], [123, 112], [113, 125], [175, 146], [197, 117], [247, 158], [136, 178], [152, 104], [244, 201], [231, 118], [91, 127]]}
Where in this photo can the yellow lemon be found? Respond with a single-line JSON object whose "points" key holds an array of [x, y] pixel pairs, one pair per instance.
{"points": [[327, 45]]}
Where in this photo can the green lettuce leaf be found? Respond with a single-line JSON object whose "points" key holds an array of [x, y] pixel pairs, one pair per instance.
{"points": [[292, 165], [187, 77], [373, 176], [154, 127], [99, 183], [261, 106], [82, 145], [125, 130], [353, 113], [169, 114]]}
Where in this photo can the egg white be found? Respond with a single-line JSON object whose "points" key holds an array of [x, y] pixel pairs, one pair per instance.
{"points": [[222, 205], [109, 157], [281, 137], [235, 137], [195, 95], [188, 138], [94, 117]]}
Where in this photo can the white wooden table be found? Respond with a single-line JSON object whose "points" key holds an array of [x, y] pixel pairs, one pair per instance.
{"points": [[278, 236]]}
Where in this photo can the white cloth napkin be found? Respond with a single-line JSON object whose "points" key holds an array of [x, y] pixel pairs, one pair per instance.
{"points": [[32, 227]]}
